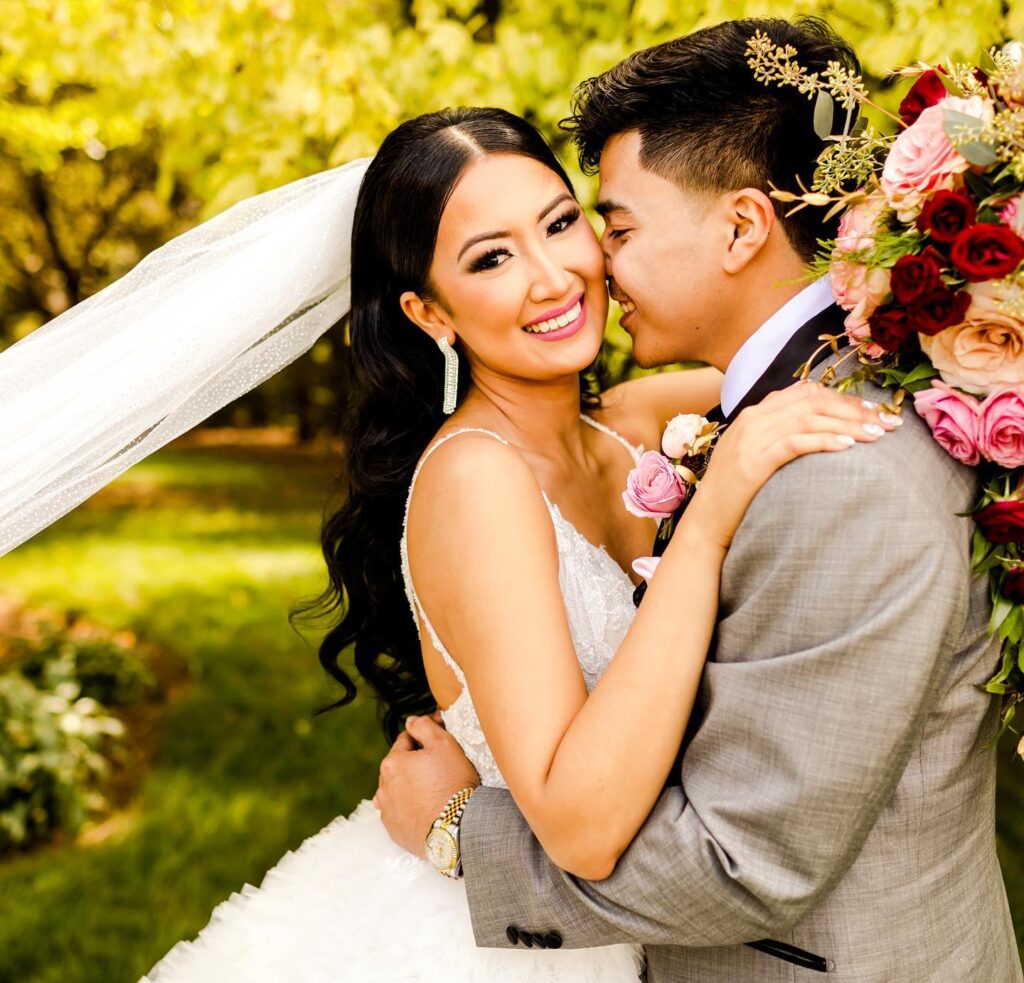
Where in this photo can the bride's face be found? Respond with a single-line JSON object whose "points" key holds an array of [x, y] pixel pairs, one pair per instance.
{"points": [[517, 274]]}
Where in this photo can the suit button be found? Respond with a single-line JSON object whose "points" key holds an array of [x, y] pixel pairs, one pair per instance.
{"points": [[526, 939], [553, 940], [513, 934]]}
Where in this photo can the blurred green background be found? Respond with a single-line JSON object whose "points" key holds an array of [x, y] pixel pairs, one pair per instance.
{"points": [[122, 124]]}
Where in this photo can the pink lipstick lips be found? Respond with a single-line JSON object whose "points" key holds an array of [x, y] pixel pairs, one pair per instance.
{"points": [[548, 328]]}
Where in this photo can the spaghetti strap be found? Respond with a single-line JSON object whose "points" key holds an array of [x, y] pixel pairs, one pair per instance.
{"points": [[634, 451], [410, 590]]}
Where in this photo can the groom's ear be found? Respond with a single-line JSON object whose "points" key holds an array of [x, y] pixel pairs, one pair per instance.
{"points": [[751, 216]]}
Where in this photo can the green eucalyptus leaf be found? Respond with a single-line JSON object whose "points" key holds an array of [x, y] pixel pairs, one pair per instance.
{"points": [[824, 114], [957, 126], [950, 86]]}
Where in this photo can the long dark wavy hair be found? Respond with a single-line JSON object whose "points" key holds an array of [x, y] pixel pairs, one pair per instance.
{"points": [[394, 408]]}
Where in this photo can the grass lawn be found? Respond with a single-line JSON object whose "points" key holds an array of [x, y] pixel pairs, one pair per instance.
{"points": [[203, 550]]}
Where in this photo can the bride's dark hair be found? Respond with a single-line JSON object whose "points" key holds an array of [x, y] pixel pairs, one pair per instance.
{"points": [[395, 404]]}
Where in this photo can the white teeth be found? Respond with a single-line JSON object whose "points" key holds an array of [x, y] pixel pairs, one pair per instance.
{"points": [[627, 306], [552, 324]]}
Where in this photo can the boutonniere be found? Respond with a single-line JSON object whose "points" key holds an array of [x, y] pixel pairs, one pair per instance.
{"points": [[662, 481]]}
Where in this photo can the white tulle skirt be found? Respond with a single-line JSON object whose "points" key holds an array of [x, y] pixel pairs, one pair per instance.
{"points": [[349, 904]]}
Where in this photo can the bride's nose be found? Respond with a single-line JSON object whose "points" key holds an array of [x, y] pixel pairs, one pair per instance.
{"points": [[550, 280]]}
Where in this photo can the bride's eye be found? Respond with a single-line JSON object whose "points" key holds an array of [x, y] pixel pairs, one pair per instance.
{"points": [[488, 261], [563, 221]]}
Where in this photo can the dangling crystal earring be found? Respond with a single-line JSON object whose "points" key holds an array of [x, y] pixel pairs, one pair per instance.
{"points": [[451, 375]]}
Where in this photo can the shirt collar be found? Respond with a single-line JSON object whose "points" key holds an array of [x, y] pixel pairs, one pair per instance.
{"points": [[760, 349]]}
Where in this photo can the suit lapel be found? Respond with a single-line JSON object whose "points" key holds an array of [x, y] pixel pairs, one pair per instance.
{"points": [[796, 351]]}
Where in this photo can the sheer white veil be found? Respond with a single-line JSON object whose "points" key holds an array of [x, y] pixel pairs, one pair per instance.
{"points": [[197, 323]]}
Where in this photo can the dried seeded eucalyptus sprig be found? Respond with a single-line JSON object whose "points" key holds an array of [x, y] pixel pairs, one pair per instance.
{"points": [[852, 156]]}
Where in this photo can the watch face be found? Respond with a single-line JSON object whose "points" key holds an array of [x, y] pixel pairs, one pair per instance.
{"points": [[441, 849]]}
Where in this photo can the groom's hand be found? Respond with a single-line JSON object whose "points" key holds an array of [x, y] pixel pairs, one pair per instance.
{"points": [[423, 770]]}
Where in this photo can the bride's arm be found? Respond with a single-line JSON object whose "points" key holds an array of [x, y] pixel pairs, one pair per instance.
{"points": [[641, 407], [585, 772]]}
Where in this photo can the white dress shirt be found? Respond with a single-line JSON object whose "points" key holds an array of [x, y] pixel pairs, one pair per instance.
{"points": [[759, 350]]}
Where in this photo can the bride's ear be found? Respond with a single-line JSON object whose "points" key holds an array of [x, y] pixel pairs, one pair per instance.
{"points": [[425, 314], [752, 217]]}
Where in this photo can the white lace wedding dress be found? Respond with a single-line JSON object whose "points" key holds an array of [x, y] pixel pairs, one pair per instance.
{"points": [[350, 905]]}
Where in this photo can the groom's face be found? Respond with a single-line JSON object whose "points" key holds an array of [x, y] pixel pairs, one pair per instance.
{"points": [[663, 247]]}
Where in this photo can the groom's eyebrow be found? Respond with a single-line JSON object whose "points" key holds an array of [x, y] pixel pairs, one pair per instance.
{"points": [[564, 196], [606, 206]]}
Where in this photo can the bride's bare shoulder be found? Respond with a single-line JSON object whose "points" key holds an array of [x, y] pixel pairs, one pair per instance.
{"points": [[640, 408], [474, 483]]}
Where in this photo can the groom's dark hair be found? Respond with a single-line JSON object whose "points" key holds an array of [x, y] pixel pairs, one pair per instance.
{"points": [[706, 123]]}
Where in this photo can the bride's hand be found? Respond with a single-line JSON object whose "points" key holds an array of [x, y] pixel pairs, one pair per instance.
{"points": [[804, 418]]}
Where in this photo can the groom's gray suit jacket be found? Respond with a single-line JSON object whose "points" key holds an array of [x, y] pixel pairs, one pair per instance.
{"points": [[835, 795]]}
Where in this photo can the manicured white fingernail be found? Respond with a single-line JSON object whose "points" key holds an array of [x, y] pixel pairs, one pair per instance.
{"points": [[868, 405], [874, 429], [891, 418], [845, 439]]}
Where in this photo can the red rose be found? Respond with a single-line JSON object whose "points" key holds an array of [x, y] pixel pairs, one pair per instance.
{"points": [[988, 251], [913, 276], [1002, 522], [925, 92], [1013, 585], [939, 309], [946, 214], [890, 327]]}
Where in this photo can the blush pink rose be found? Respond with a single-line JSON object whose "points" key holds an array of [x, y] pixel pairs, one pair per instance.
{"points": [[954, 419], [922, 159], [986, 351], [654, 489], [1001, 428], [859, 224], [858, 290], [1012, 214]]}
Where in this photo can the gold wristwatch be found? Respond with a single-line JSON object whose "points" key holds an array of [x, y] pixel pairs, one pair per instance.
{"points": [[443, 839]]}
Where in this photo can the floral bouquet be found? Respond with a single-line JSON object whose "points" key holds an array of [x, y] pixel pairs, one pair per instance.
{"points": [[927, 264]]}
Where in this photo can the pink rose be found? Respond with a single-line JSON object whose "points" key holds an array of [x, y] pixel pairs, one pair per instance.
{"points": [[1001, 428], [859, 224], [653, 488], [1012, 214], [922, 158], [986, 351], [954, 419], [858, 290]]}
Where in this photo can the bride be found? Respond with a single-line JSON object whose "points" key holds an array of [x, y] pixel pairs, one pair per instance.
{"points": [[480, 561], [482, 558]]}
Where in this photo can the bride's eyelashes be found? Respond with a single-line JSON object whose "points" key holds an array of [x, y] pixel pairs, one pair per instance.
{"points": [[487, 261]]}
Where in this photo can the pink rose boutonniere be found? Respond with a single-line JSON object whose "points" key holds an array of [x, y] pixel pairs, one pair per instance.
{"points": [[661, 482], [654, 489]]}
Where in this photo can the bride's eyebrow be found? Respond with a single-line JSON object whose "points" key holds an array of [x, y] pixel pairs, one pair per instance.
{"points": [[473, 240]]}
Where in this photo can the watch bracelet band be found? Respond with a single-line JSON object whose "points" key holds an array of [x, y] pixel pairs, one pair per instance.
{"points": [[452, 812]]}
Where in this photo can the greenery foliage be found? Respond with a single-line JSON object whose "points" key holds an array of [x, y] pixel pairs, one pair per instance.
{"points": [[58, 740], [124, 122]]}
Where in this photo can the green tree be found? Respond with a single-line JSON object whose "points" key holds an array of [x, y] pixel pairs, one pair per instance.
{"points": [[124, 122]]}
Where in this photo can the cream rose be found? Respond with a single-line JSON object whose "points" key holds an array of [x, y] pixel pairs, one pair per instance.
{"points": [[681, 434], [984, 353]]}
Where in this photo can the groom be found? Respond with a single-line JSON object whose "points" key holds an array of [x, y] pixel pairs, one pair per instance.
{"points": [[835, 804]]}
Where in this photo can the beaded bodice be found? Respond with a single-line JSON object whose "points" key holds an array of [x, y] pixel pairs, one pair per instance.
{"points": [[598, 598]]}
